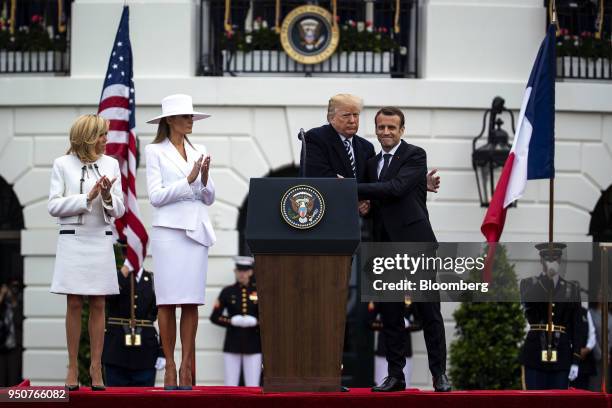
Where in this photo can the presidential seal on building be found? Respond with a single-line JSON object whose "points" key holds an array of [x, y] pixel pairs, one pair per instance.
{"points": [[302, 207], [308, 34]]}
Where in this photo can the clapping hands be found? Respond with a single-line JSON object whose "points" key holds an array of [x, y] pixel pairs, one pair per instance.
{"points": [[195, 170], [103, 187], [200, 167]]}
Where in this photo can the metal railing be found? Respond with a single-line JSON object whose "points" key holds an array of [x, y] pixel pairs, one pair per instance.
{"points": [[35, 37], [581, 53], [256, 50], [13, 62]]}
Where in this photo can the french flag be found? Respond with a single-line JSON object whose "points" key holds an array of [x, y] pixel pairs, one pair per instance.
{"points": [[533, 152]]}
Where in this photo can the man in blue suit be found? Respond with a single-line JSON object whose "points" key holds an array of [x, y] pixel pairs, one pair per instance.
{"points": [[396, 182], [335, 149]]}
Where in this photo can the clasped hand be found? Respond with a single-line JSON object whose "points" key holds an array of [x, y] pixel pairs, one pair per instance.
{"points": [[201, 167], [243, 321], [103, 187]]}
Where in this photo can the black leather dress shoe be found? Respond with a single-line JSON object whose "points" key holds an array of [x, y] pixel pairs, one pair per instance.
{"points": [[98, 388], [441, 383], [390, 384], [344, 389], [74, 387]]}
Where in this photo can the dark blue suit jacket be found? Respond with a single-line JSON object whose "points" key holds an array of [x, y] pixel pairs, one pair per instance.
{"points": [[326, 155], [399, 199]]}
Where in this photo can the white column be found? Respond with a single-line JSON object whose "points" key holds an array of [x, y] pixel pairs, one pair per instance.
{"points": [[164, 36], [480, 40]]}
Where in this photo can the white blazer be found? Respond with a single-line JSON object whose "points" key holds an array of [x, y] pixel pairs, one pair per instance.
{"points": [[176, 203], [65, 198]]}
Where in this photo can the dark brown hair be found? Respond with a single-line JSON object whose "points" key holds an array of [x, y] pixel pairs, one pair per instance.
{"points": [[390, 111], [163, 132]]}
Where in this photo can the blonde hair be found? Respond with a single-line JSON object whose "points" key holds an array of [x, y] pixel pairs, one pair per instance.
{"points": [[342, 99], [84, 135], [163, 132]]}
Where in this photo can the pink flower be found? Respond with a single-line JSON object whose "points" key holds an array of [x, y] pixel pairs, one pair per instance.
{"points": [[36, 18], [384, 29], [368, 23]]}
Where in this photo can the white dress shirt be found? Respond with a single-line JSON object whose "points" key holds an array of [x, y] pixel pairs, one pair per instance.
{"points": [[381, 162]]}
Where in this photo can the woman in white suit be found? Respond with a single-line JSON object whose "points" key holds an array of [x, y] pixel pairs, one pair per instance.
{"points": [[180, 189], [85, 194]]}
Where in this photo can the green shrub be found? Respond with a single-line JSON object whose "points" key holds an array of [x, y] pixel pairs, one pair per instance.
{"points": [[489, 335]]}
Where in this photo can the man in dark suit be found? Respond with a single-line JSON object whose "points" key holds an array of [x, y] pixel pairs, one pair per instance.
{"points": [[335, 149], [397, 186]]}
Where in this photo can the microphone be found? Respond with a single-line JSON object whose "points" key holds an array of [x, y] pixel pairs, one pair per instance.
{"points": [[302, 137]]}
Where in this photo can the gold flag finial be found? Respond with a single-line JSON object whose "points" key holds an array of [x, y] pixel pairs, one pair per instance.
{"points": [[396, 23], [599, 21], [226, 23], [277, 7]]}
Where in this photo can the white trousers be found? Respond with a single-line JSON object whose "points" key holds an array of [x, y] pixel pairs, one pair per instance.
{"points": [[380, 370], [251, 368]]}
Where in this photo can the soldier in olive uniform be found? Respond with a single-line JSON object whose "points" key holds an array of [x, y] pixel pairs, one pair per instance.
{"points": [[412, 323], [551, 352], [132, 360], [242, 347]]}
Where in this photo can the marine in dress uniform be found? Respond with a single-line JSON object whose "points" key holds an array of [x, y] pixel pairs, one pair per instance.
{"points": [[551, 352], [242, 346], [412, 323], [132, 360]]}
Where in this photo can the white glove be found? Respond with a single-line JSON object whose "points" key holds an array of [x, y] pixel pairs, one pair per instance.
{"points": [[160, 363], [406, 323], [249, 321], [573, 373], [237, 321]]}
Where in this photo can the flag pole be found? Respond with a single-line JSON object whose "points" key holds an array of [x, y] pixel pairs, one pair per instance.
{"points": [[551, 189], [551, 210]]}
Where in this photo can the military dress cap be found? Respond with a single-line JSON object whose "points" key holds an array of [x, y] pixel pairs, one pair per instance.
{"points": [[244, 263], [551, 251]]}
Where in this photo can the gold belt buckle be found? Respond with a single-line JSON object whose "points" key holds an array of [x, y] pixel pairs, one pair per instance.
{"points": [[553, 356], [137, 340]]}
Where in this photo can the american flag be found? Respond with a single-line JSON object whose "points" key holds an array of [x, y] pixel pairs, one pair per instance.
{"points": [[117, 104]]}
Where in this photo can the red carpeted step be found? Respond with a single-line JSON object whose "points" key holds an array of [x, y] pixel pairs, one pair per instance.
{"points": [[251, 397]]}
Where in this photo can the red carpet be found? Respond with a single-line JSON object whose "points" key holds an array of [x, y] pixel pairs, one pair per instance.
{"points": [[231, 397]]}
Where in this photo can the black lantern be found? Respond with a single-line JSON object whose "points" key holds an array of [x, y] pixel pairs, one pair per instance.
{"points": [[489, 158]]}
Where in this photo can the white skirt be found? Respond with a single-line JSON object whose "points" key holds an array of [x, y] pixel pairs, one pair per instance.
{"points": [[85, 262], [179, 266]]}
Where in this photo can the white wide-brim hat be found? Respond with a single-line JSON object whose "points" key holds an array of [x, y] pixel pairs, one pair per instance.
{"points": [[178, 104]]}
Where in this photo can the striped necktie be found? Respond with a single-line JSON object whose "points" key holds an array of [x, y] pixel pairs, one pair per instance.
{"points": [[347, 145]]}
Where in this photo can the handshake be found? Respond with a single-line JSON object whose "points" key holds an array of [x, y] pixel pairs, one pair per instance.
{"points": [[243, 321]]}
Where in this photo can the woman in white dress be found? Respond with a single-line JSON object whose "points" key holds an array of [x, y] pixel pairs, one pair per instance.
{"points": [[180, 189], [85, 194]]}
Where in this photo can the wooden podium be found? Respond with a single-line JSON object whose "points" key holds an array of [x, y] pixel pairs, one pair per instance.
{"points": [[302, 282]]}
